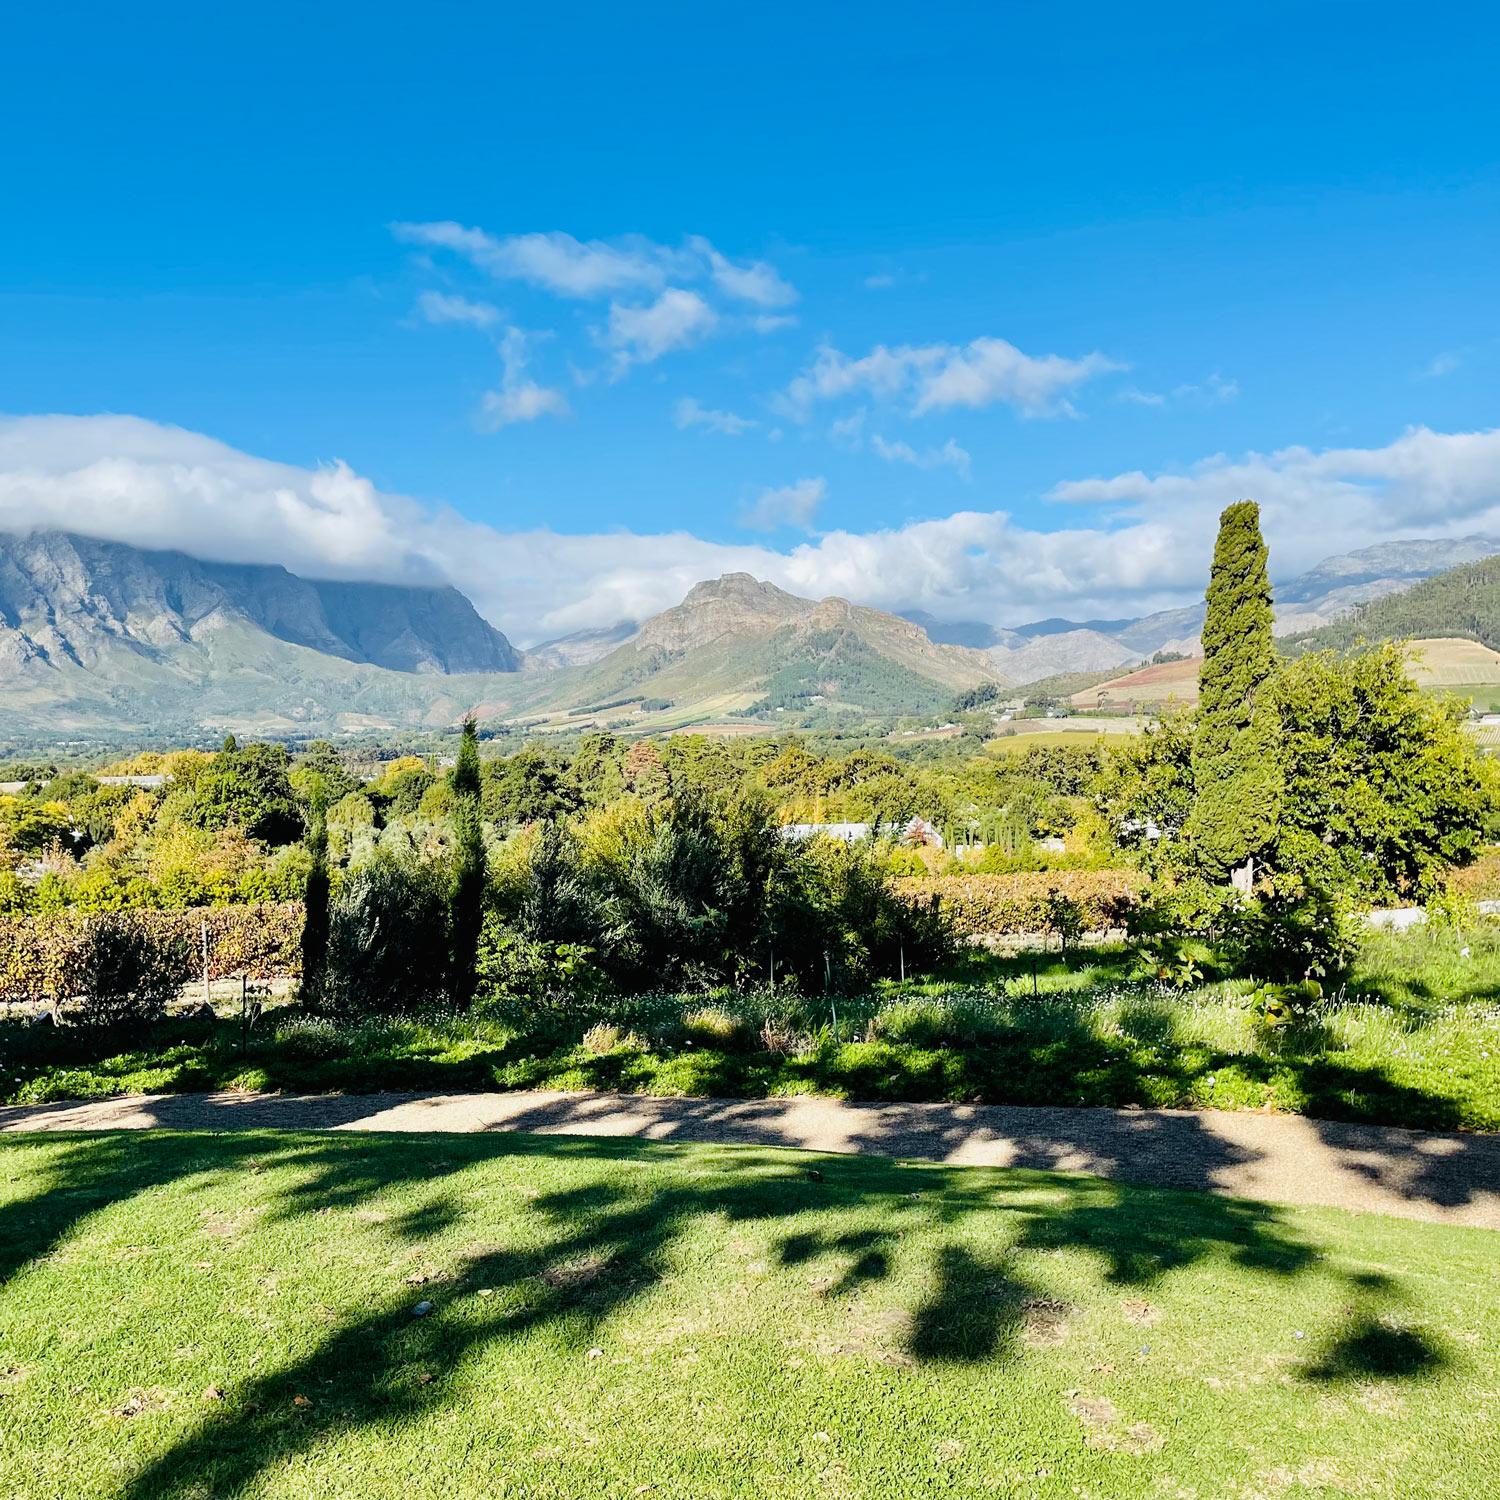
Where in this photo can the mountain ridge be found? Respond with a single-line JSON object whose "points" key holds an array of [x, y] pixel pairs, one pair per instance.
{"points": [[99, 635], [738, 645]]}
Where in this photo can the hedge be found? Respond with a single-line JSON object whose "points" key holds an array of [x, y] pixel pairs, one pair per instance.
{"points": [[38, 952], [1479, 881], [1020, 903]]}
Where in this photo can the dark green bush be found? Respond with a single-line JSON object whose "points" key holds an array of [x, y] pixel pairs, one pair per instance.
{"points": [[387, 940], [127, 972]]}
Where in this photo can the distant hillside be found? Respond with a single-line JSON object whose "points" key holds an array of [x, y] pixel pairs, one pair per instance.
{"points": [[1464, 602], [1052, 653], [578, 649], [1314, 599], [100, 636], [1150, 687], [736, 644]]}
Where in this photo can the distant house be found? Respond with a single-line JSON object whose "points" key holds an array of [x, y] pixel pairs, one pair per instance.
{"points": [[847, 833], [918, 831], [159, 779]]}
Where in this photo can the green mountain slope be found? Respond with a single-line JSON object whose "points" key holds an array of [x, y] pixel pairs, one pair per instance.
{"points": [[736, 644], [1464, 603]]}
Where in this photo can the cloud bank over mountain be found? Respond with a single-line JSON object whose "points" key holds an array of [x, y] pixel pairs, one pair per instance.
{"points": [[1125, 544]]}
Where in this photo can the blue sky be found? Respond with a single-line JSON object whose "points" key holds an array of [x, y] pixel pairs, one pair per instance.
{"points": [[788, 288]]}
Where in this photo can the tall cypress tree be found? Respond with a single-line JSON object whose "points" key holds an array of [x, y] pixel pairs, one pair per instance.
{"points": [[466, 896], [1237, 771], [315, 901]]}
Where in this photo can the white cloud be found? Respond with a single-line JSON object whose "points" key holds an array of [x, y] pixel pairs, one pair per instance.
{"points": [[570, 267], [1316, 502], [639, 335], [688, 413], [930, 458], [849, 431], [756, 282], [937, 377], [791, 505], [1442, 364], [989, 370], [879, 283], [1212, 390], [555, 261], [156, 486], [1141, 398], [518, 399], [770, 322], [440, 307]]}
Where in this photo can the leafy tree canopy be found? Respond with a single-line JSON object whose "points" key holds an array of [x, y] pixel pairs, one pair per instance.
{"points": [[247, 788]]}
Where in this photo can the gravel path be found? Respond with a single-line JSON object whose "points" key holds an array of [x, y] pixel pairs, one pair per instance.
{"points": [[1453, 1179]]}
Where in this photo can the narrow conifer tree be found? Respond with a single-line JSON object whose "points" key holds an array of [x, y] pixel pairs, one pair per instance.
{"points": [[466, 897], [315, 902], [1237, 770]]}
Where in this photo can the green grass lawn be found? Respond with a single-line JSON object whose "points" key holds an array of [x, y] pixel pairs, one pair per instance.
{"points": [[1412, 1038], [232, 1315]]}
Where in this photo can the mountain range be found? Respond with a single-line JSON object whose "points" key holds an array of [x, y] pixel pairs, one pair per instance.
{"points": [[100, 637], [97, 635], [1317, 598]]}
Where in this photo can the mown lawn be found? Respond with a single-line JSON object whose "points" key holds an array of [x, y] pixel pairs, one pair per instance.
{"points": [[223, 1316]]}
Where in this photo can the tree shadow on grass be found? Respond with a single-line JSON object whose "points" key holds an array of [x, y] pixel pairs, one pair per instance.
{"points": [[974, 1312], [606, 1242], [89, 1174]]}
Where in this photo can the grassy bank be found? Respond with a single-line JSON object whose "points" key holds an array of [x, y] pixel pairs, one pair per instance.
{"points": [[1412, 1038], [234, 1316]]}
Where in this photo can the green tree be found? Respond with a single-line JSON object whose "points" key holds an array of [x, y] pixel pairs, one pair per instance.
{"points": [[315, 900], [1237, 773], [248, 788], [1384, 788], [400, 795], [466, 895], [1145, 791], [596, 768], [528, 787], [321, 763]]}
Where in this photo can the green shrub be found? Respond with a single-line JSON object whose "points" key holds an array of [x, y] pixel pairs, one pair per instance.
{"points": [[841, 925], [601, 1037], [709, 1026], [126, 972], [311, 1039], [387, 940], [1306, 936], [513, 967]]}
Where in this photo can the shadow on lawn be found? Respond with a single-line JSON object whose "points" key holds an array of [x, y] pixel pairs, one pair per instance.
{"points": [[607, 1242]]}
